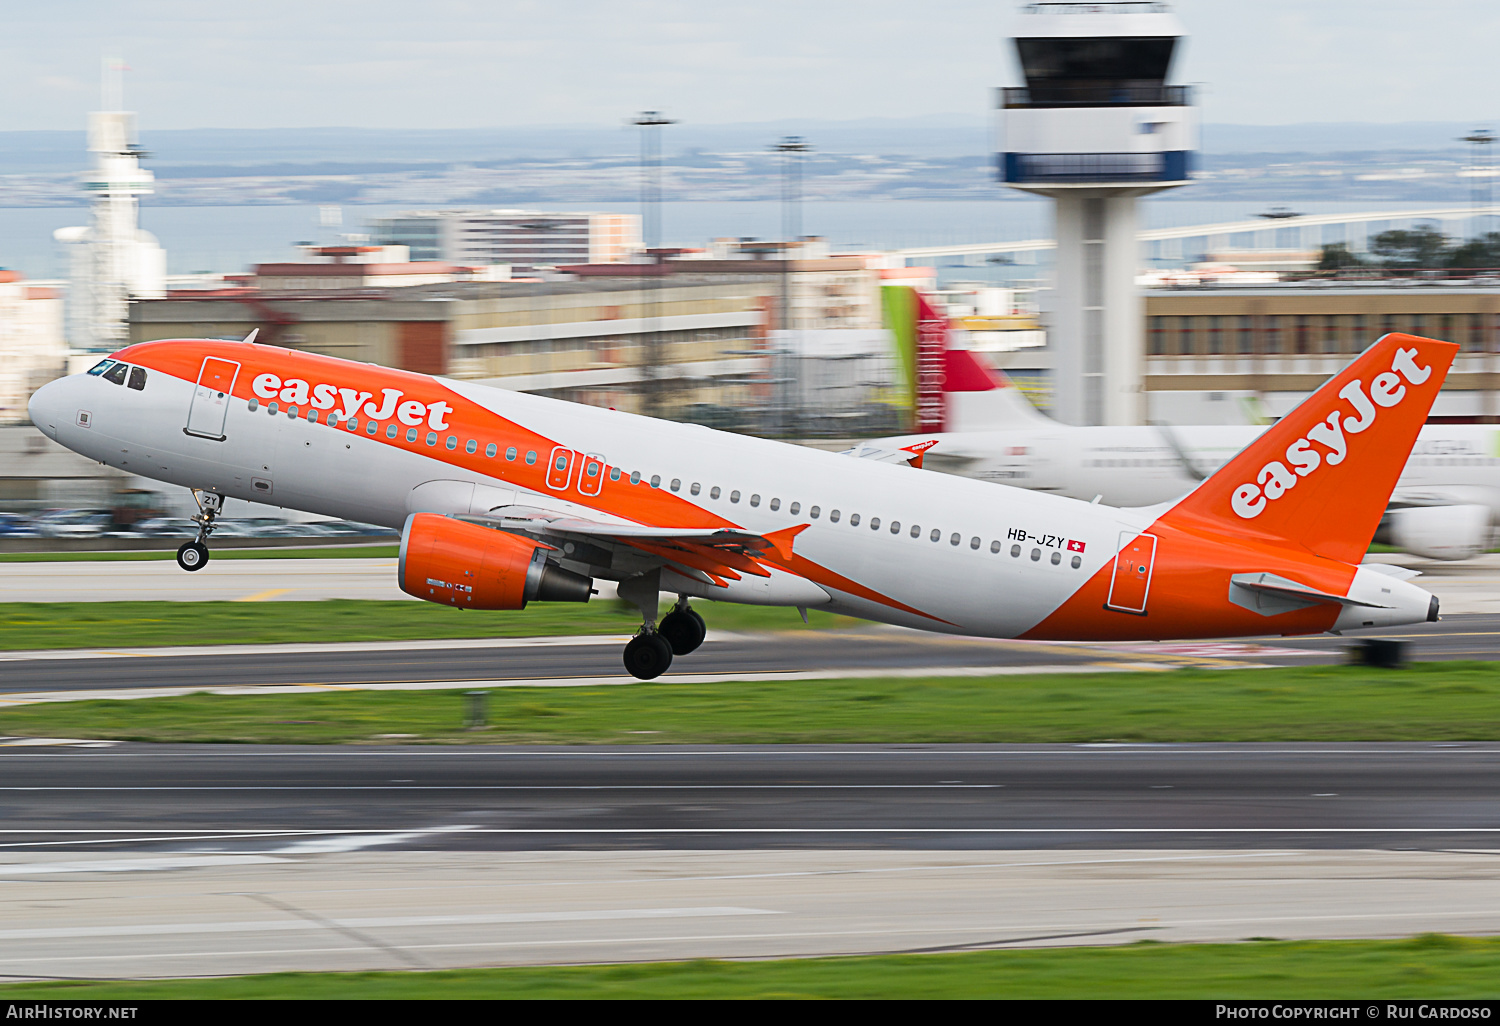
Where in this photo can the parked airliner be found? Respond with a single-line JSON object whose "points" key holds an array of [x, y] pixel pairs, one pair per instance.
{"points": [[503, 498], [1446, 504]]}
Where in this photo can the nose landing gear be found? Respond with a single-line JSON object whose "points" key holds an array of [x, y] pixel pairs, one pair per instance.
{"points": [[193, 555]]}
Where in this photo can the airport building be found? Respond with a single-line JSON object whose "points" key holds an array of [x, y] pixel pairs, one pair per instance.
{"points": [[32, 350], [1280, 341], [526, 240]]}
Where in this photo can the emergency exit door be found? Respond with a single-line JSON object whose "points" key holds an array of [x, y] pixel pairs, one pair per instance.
{"points": [[1132, 579], [211, 398]]}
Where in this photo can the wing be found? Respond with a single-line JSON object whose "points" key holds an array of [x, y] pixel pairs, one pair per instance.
{"points": [[712, 555]]}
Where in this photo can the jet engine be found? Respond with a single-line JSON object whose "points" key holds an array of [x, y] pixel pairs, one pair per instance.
{"points": [[469, 566], [1439, 532]]}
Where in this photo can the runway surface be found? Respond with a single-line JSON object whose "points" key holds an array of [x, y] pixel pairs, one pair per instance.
{"points": [[133, 860], [907, 796]]}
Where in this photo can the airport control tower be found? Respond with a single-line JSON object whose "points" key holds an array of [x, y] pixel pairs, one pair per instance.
{"points": [[1095, 127]]}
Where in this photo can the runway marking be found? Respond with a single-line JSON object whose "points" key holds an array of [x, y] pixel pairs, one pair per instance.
{"points": [[515, 787], [262, 596], [140, 865], [384, 922]]}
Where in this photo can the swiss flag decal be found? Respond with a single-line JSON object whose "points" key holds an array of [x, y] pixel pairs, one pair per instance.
{"points": [[1075, 546]]}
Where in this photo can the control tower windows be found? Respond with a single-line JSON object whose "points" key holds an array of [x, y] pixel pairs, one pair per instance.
{"points": [[1097, 71]]}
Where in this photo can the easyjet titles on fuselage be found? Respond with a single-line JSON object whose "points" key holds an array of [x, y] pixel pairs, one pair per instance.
{"points": [[296, 392]]}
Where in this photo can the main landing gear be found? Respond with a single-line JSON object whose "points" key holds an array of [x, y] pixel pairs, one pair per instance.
{"points": [[193, 555], [649, 653]]}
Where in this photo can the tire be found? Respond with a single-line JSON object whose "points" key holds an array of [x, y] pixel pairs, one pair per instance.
{"points": [[684, 630], [192, 556], [647, 656]]}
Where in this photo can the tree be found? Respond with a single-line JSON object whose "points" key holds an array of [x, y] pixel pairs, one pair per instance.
{"points": [[1483, 251], [1336, 256], [1420, 247]]}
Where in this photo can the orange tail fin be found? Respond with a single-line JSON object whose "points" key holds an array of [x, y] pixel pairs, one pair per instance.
{"points": [[1320, 477]]}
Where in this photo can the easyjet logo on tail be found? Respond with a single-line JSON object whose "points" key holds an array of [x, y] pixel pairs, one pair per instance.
{"points": [[1332, 433], [296, 392]]}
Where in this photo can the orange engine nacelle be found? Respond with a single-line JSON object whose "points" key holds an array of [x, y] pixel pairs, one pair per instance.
{"points": [[473, 567]]}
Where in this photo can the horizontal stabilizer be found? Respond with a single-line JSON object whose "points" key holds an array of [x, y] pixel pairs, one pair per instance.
{"points": [[1269, 594]]}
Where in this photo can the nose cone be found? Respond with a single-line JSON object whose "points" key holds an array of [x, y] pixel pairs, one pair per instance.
{"points": [[46, 407]]}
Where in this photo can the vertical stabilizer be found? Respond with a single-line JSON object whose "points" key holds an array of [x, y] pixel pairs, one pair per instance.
{"points": [[1320, 477], [978, 397]]}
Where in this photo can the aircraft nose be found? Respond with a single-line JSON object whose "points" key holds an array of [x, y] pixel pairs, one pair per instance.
{"points": [[46, 407]]}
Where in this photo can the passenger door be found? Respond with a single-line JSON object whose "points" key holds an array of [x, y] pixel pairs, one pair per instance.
{"points": [[211, 398]]}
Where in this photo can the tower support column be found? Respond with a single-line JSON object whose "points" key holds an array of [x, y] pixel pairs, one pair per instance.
{"points": [[1097, 329]]}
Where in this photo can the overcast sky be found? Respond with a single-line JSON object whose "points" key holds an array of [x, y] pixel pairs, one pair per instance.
{"points": [[490, 63]]}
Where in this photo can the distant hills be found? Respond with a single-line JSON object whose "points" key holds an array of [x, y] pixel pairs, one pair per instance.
{"points": [[208, 151]]}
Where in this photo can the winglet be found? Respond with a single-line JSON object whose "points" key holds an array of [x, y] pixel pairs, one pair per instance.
{"points": [[782, 540], [1320, 477], [918, 451]]}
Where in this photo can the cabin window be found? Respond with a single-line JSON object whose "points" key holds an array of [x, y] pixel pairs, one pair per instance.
{"points": [[974, 543], [713, 493], [1036, 554], [471, 447], [734, 496], [1015, 551], [391, 430], [372, 427], [955, 539], [755, 499], [814, 512], [491, 449], [874, 523], [411, 434], [635, 477], [895, 527], [936, 534], [253, 404], [695, 488], [452, 442], [676, 484], [1077, 562], [116, 374], [432, 438], [775, 505], [614, 473], [138, 378], [530, 457], [291, 412], [352, 422], [271, 409], [916, 530], [794, 508], [1056, 558], [655, 480], [833, 517], [854, 520], [994, 546], [312, 416], [510, 454]]}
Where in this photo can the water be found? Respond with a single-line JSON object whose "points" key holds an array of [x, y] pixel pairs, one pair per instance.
{"points": [[233, 238]]}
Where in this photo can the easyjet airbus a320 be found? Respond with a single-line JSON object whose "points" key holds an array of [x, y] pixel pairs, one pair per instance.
{"points": [[504, 498]]}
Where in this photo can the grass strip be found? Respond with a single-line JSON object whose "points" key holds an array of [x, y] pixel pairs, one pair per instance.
{"points": [[36, 625], [1425, 702], [378, 550], [1431, 966]]}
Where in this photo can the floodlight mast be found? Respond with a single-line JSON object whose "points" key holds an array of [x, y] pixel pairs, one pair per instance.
{"points": [[792, 148], [1095, 128], [650, 123]]}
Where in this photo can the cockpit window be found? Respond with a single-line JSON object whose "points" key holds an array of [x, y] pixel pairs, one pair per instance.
{"points": [[117, 373], [101, 367], [138, 378]]}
